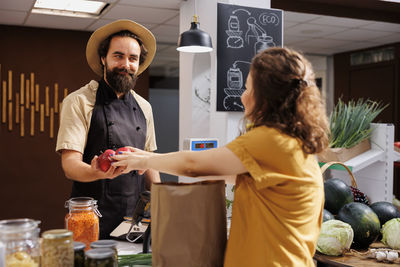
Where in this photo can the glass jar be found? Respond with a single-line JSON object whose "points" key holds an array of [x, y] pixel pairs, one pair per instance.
{"points": [[100, 257], [57, 248], [79, 254], [106, 243], [83, 219], [20, 241]]}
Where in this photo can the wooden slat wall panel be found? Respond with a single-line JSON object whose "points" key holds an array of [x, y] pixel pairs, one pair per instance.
{"points": [[32, 82], [22, 88], [27, 93], [22, 124], [10, 116], [28, 98], [17, 108], [44, 187], [37, 103], [56, 98], [9, 85], [4, 103]]}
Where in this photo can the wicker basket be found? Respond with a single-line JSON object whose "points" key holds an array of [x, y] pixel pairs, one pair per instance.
{"points": [[328, 164]]}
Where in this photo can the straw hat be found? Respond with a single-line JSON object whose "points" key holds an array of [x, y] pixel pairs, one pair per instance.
{"points": [[103, 32]]}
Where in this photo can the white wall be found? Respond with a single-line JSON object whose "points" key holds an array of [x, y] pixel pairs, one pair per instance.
{"points": [[194, 74]]}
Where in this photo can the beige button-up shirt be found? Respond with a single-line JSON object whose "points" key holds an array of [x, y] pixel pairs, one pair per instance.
{"points": [[76, 114]]}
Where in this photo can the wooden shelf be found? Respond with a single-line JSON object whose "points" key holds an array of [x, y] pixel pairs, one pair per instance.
{"points": [[361, 161], [365, 159]]}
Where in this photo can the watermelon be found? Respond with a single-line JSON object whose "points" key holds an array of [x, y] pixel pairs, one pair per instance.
{"points": [[363, 220], [337, 194], [327, 216], [385, 211]]}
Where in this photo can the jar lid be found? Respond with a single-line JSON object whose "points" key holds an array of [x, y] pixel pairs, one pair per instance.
{"points": [[56, 233], [80, 202], [99, 253], [105, 243], [79, 246], [15, 226]]}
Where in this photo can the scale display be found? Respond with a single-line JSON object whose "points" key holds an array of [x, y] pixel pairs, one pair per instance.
{"points": [[198, 144]]}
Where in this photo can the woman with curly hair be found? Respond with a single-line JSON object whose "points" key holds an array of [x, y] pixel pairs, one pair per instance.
{"points": [[279, 194]]}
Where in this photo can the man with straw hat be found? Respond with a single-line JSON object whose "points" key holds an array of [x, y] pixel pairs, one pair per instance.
{"points": [[108, 114]]}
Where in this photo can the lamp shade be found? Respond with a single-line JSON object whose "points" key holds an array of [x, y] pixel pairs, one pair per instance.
{"points": [[194, 40]]}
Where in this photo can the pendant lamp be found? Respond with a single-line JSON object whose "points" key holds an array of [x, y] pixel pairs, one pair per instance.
{"points": [[194, 40]]}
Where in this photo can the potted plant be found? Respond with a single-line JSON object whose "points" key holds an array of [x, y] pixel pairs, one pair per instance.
{"points": [[350, 129]]}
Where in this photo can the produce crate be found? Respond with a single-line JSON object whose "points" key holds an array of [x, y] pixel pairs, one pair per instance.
{"points": [[344, 154]]}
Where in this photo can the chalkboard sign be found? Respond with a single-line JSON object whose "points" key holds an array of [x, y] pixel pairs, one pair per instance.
{"points": [[242, 33]]}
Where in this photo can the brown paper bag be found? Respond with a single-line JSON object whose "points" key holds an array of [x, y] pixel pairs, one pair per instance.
{"points": [[188, 224]]}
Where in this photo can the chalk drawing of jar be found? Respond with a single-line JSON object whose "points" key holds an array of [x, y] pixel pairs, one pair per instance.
{"points": [[263, 42], [234, 79], [234, 40]]}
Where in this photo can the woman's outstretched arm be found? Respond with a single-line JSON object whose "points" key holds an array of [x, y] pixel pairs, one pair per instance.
{"points": [[213, 162]]}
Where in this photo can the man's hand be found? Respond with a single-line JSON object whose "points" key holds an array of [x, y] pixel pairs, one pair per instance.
{"points": [[111, 173], [77, 170]]}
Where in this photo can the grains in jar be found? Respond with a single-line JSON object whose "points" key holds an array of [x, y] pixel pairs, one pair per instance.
{"points": [[83, 219], [57, 248]]}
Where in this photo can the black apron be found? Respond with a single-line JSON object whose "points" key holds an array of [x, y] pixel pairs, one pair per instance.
{"points": [[115, 123]]}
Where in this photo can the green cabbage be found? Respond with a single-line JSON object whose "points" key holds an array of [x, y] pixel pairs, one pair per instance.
{"points": [[391, 233], [335, 238]]}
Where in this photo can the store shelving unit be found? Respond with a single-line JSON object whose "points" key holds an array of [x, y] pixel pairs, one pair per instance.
{"points": [[373, 169], [396, 156]]}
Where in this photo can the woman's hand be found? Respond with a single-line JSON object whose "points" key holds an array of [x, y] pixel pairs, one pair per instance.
{"points": [[111, 173], [129, 161]]}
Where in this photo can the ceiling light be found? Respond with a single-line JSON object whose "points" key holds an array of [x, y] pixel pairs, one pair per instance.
{"points": [[394, 1], [194, 40], [69, 7]]}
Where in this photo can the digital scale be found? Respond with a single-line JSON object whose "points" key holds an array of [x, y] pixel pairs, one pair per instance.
{"points": [[197, 144]]}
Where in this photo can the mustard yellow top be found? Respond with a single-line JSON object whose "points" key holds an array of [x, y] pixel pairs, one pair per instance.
{"points": [[277, 208]]}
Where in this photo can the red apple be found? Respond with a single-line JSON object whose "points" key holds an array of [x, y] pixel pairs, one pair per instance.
{"points": [[104, 160], [397, 144], [125, 148]]}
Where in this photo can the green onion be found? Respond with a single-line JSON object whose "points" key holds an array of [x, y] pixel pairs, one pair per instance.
{"points": [[134, 259], [350, 123]]}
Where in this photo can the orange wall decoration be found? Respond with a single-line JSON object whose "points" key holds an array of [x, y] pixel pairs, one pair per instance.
{"points": [[15, 98]]}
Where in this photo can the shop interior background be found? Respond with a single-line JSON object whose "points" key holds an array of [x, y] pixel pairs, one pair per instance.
{"points": [[52, 47]]}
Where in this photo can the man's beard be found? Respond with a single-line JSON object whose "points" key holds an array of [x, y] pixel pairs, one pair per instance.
{"points": [[119, 80]]}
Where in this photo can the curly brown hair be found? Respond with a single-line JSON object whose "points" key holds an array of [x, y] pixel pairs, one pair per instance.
{"points": [[286, 97]]}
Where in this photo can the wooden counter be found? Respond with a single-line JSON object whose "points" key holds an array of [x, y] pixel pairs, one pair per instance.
{"points": [[351, 261]]}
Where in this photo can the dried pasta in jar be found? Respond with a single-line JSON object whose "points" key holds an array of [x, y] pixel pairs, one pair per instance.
{"points": [[21, 259]]}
